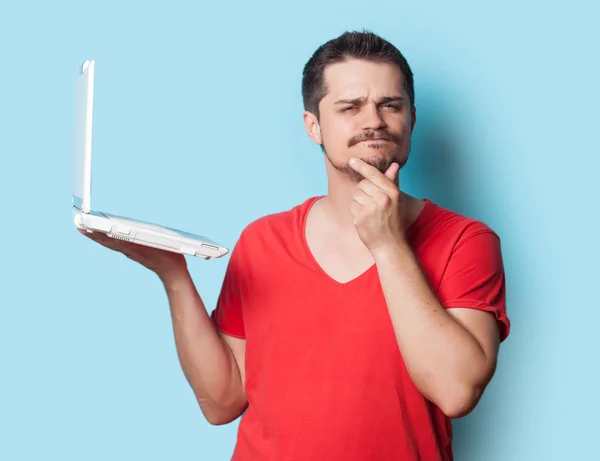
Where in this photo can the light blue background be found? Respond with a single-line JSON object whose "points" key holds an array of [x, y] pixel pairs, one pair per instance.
{"points": [[211, 137]]}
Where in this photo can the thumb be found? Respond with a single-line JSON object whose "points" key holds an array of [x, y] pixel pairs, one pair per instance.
{"points": [[392, 172]]}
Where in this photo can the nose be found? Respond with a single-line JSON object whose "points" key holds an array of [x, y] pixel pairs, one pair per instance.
{"points": [[372, 119]]}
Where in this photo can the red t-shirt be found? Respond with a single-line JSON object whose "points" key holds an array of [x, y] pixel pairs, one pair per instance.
{"points": [[325, 378]]}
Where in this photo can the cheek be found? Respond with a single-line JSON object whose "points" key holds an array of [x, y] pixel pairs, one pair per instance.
{"points": [[404, 131], [336, 134]]}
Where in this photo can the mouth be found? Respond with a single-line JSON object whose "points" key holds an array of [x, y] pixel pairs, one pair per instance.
{"points": [[374, 141]]}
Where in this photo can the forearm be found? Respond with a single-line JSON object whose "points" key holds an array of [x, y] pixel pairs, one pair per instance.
{"points": [[207, 362], [445, 362]]}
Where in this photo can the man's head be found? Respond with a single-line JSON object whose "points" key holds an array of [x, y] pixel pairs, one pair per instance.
{"points": [[359, 97]]}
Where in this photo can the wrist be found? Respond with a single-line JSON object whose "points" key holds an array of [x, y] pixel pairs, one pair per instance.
{"points": [[391, 252], [174, 277]]}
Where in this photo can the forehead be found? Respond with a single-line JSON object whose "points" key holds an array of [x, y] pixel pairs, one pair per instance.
{"points": [[357, 78]]}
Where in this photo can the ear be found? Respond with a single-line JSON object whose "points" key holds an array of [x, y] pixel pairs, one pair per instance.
{"points": [[413, 119], [312, 127]]}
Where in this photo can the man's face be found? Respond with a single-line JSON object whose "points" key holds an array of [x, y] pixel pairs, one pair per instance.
{"points": [[366, 114]]}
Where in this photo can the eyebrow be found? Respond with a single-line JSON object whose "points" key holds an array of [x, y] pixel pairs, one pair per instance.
{"points": [[358, 101]]}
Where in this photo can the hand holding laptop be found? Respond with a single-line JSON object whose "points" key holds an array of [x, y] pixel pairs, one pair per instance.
{"points": [[163, 263]]}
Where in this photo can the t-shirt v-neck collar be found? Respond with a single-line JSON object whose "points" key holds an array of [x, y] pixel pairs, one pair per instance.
{"points": [[305, 209]]}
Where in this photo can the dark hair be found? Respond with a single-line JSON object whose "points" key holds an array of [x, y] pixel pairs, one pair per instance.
{"points": [[350, 45]]}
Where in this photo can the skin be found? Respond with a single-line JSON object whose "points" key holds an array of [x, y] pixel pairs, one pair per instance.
{"points": [[449, 353]]}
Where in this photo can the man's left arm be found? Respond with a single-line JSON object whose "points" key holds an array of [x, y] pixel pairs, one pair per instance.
{"points": [[450, 354], [450, 350]]}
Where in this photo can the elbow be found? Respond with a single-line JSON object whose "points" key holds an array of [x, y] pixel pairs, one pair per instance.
{"points": [[219, 414], [461, 399], [461, 402], [220, 419]]}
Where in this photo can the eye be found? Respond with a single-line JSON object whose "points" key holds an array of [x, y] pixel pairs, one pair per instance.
{"points": [[348, 109], [393, 106]]}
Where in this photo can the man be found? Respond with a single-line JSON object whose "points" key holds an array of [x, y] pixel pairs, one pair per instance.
{"points": [[355, 325]]}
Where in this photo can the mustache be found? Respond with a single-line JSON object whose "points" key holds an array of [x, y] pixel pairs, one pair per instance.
{"points": [[372, 135]]}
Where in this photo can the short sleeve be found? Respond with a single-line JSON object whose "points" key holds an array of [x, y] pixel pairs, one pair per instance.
{"points": [[228, 313], [475, 278]]}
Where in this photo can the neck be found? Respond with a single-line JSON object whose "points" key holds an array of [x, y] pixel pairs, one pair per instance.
{"points": [[338, 200]]}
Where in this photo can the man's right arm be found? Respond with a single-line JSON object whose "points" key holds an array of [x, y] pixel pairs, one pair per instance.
{"points": [[213, 363]]}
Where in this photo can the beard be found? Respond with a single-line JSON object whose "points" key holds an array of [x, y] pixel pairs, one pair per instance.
{"points": [[382, 163]]}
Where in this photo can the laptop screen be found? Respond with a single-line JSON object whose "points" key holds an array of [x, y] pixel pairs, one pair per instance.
{"points": [[84, 105]]}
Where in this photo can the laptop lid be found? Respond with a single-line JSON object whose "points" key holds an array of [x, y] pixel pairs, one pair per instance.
{"points": [[84, 110]]}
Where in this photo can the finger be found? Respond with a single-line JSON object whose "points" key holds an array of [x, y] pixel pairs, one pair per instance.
{"points": [[376, 194], [361, 197], [370, 173], [392, 172], [369, 188], [376, 197], [105, 240], [97, 237]]}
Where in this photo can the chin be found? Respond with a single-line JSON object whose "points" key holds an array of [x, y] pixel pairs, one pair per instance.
{"points": [[380, 158]]}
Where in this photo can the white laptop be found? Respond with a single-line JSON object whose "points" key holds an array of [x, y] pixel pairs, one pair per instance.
{"points": [[119, 227]]}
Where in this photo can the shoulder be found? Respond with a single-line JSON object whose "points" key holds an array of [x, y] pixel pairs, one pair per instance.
{"points": [[442, 236], [454, 228], [281, 225]]}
